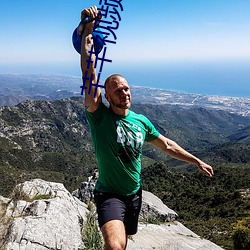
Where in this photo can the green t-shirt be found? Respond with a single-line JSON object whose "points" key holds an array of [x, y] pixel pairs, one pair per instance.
{"points": [[118, 144]]}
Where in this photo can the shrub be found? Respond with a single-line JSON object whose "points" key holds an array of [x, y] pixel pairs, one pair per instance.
{"points": [[151, 219], [241, 234], [91, 235]]}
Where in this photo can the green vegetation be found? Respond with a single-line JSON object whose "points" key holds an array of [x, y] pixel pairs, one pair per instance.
{"points": [[5, 222], [241, 234], [208, 206], [18, 194], [151, 220], [91, 235]]}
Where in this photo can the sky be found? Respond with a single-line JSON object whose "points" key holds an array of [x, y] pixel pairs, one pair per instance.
{"points": [[183, 45]]}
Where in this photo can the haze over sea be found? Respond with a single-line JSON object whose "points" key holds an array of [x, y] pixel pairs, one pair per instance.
{"points": [[219, 79]]}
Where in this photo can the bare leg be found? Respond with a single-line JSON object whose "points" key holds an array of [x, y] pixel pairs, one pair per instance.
{"points": [[114, 235]]}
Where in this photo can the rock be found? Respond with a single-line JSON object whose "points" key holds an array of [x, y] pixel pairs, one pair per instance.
{"points": [[245, 193], [44, 215], [169, 236], [85, 192], [152, 206], [4, 215]]}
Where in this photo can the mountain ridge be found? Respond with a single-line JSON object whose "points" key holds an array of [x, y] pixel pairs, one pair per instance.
{"points": [[52, 135], [51, 140]]}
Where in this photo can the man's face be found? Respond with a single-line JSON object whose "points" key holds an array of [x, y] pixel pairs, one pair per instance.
{"points": [[118, 93]]}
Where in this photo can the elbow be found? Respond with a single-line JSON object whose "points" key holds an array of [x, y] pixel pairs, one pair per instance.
{"points": [[169, 144], [170, 147]]}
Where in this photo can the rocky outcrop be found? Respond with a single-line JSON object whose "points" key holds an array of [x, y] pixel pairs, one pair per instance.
{"points": [[152, 206], [85, 192], [168, 236], [43, 215]]}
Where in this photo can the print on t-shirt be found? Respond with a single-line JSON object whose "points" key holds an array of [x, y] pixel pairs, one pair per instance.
{"points": [[131, 140]]}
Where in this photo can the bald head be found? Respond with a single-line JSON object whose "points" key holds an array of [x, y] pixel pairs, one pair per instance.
{"points": [[117, 93], [115, 78]]}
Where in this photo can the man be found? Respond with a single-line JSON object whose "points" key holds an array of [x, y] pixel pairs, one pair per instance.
{"points": [[118, 135]]}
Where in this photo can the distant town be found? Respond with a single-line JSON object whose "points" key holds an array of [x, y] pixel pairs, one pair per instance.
{"points": [[16, 88], [160, 97]]}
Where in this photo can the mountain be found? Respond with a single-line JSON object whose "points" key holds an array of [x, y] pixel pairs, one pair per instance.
{"points": [[45, 139], [203, 132], [51, 139], [204, 125], [236, 150], [45, 136], [242, 136], [15, 88]]}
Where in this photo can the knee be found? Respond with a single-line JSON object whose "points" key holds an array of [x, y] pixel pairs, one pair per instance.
{"points": [[115, 245], [114, 235]]}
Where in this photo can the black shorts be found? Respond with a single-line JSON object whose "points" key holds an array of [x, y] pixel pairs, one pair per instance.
{"points": [[117, 207]]}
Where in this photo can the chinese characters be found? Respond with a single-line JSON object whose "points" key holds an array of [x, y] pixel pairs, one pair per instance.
{"points": [[104, 33]]}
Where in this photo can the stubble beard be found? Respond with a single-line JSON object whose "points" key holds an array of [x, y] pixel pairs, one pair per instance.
{"points": [[121, 106]]}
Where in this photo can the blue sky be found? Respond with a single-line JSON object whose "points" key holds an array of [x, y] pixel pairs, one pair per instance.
{"points": [[35, 36]]}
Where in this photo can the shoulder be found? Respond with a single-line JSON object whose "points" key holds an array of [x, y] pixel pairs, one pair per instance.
{"points": [[140, 117], [98, 114], [101, 107]]}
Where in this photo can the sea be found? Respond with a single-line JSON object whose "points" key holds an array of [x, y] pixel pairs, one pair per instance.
{"points": [[230, 79], [214, 79]]}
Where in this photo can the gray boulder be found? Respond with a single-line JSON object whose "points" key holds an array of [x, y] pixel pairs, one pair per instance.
{"points": [[85, 192], [42, 215], [152, 206]]}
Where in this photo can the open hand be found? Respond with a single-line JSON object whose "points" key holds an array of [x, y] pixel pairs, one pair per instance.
{"points": [[206, 169]]}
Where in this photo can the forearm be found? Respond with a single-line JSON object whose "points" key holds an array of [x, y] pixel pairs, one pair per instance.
{"points": [[88, 58], [177, 152], [174, 150]]}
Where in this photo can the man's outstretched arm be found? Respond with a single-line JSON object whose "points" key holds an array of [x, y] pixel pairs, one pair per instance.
{"points": [[92, 95], [174, 150]]}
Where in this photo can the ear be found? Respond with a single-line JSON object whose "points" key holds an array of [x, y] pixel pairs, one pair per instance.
{"points": [[107, 97]]}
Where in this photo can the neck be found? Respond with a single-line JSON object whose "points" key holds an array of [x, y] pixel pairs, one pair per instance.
{"points": [[119, 111]]}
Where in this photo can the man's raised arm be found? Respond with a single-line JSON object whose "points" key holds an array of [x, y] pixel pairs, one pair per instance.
{"points": [[92, 93]]}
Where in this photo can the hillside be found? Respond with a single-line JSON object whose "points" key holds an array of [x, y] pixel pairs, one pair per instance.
{"points": [[209, 207], [45, 139], [51, 140], [242, 136]]}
